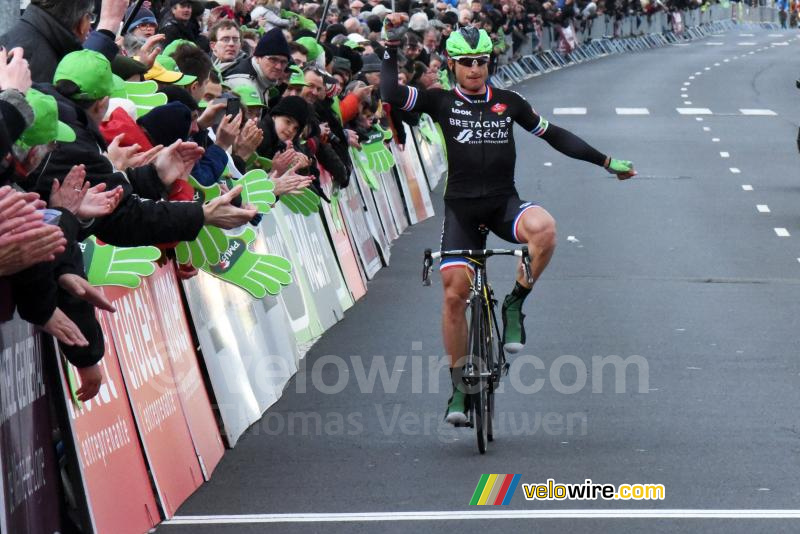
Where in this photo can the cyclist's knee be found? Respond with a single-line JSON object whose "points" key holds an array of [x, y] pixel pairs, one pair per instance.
{"points": [[539, 229], [456, 289]]}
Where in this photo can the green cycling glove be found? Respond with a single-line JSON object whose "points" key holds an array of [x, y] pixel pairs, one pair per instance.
{"points": [[622, 168], [107, 265]]}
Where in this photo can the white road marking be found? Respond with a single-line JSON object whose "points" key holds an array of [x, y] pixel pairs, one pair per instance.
{"points": [[548, 164], [687, 83], [774, 35], [724, 155], [714, 43], [706, 129], [751, 53], [783, 43], [691, 77], [725, 60], [633, 111], [746, 43], [708, 68], [747, 187], [762, 208], [481, 515], [684, 96], [698, 73], [687, 103], [782, 232], [715, 139], [761, 112], [569, 111], [699, 119], [694, 111], [746, 35], [716, 64], [734, 170]]}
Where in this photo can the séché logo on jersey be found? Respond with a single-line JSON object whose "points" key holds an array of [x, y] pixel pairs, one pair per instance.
{"points": [[478, 132]]}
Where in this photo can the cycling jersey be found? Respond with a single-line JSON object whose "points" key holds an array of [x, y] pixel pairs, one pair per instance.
{"points": [[479, 132]]}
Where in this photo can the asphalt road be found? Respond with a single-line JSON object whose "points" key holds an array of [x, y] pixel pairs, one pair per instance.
{"points": [[677, 267]]}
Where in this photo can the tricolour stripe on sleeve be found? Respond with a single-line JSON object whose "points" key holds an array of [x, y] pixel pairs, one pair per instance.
{"points": [[411, 100], [541, 128]]}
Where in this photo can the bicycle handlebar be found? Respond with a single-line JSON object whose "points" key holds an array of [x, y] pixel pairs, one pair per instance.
{"points": [[479, 254]]}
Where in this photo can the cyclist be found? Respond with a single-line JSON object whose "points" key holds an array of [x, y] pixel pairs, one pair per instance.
{"points": [[477, 121]]}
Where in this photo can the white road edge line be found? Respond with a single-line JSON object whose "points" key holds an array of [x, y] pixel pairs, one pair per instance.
{"points": [[483, 515]]}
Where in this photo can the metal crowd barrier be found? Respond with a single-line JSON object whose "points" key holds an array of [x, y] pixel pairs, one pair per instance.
{"points": [[605, 35]]}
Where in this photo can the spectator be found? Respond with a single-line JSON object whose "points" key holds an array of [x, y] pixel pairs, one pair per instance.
{"points": [[226, 45], [266, 69], [144, 25], [179, 24]]}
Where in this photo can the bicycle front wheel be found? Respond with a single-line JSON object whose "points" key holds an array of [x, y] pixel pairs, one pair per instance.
{"points": [[478, 352]]}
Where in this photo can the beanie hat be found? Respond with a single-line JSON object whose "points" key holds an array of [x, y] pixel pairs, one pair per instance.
{"points": [[179, 94], [294, 107], [144, 16], [334, 30], [168, 123], [371, 63], [272, 43]]}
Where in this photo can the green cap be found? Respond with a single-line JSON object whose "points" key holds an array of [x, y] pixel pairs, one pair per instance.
{"points": [[248, 95], [173, 46], [168, 63], [90, 70], [469, 42], [46, 127], [297, 77], [313, 47]]}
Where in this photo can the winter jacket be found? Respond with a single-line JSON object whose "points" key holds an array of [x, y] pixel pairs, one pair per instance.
{"points": [[45, 41]]}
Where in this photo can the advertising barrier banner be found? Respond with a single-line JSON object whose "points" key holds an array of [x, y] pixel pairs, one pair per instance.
{"points": [[353, 209], [196, 406], [136, 332], [412, 181], [373, 216], [108, 448], [30, 495]]}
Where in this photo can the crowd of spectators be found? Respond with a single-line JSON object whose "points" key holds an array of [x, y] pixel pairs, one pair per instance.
{"points": [[246, 84]]}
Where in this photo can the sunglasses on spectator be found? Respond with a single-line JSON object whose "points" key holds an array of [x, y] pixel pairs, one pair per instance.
{"points": [[472, 61]]}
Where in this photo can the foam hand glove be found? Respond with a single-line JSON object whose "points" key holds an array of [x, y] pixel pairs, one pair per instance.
{"points": [[258, 274], [306, 202], [107, 265], [256, 190], [204, 250]]}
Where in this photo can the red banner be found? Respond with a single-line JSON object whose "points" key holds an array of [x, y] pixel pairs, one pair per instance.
{"points": [[136, 330], [109, 453], [163, 290]]}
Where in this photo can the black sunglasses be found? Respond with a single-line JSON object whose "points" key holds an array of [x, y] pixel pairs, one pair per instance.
{"points": [[472, 61]]}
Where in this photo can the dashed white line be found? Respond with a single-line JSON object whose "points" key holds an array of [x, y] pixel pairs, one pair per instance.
{"points": [[746, 43], [548, 164], [746, 35], [747, 187], [715, 139], [569, 111], [684, 96], [691, 77], [687, 103], [699, 119], [706, 129], [716, 64], [687, 84], [633, 111], [725, 60], [707, 68], [734, 170], [761, 112], [724, 155], [694, 111], [762, 208], [714, 43], [782, 232], [784, 43]]}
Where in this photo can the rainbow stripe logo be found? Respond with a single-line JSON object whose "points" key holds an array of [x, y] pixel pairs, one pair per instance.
{"points": [[495, 489]]}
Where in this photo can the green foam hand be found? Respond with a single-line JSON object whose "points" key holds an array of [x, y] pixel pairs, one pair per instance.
{"points": [[107, 265], [378, 157], [257, 190], [305, 203], [258, 274], [360, 160], [204, 250], [427, 132]]}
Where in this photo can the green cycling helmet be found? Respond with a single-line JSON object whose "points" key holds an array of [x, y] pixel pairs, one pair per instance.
{"points": [[469, 42]]}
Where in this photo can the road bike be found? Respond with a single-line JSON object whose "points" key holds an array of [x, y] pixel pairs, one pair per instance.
{"points": [[485, 361]]}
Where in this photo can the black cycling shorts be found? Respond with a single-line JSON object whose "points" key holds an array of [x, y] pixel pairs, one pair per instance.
{"points": [[464, 216]]}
